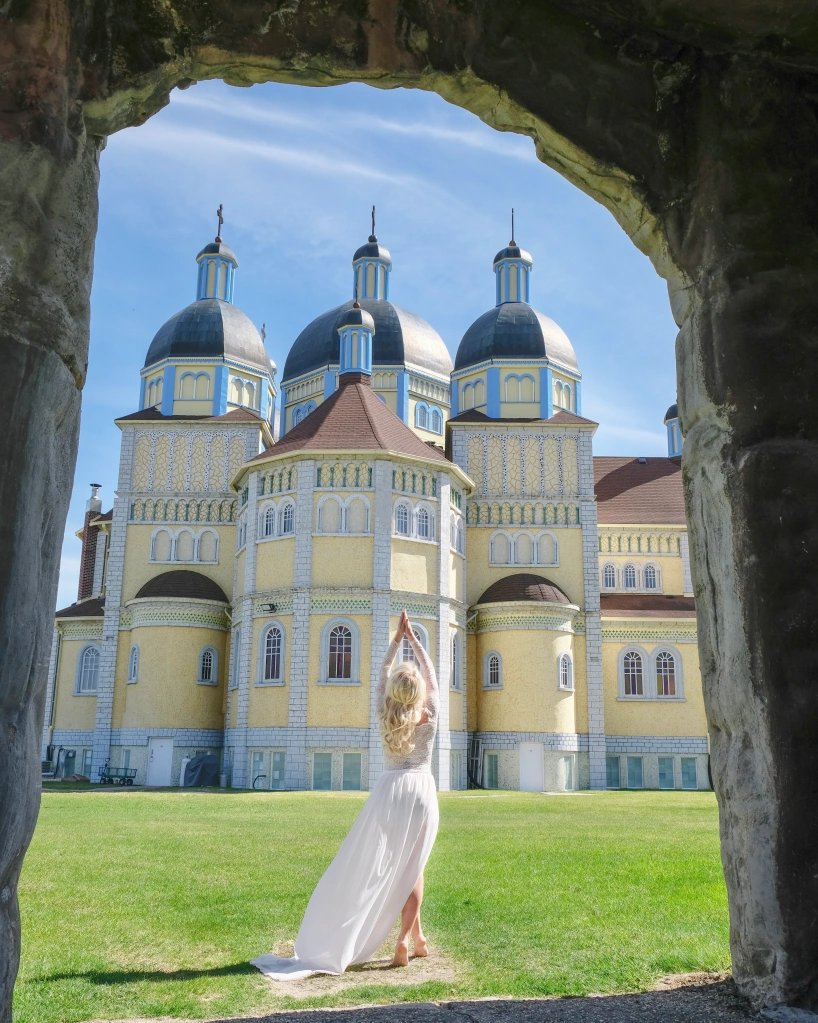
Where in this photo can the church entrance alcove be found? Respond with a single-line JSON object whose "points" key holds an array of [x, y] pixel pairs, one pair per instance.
{"points": [[696, 129]]}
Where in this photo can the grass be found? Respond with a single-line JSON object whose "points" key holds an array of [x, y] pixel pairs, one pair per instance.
{"points": [[151, 903]]}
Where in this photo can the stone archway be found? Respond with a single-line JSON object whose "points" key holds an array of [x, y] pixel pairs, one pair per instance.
{"points": [[696, 127]]}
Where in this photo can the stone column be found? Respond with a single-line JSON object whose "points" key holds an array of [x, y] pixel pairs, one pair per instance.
{"points": [[48, 199], [381, 603], [295, 768], [748, 373]]}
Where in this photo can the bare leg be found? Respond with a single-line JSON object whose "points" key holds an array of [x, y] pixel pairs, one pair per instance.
{"points": [[418, 937], [409, 924]]}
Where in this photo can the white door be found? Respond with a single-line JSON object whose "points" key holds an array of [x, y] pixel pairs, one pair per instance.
{"points": [[531, 767], [160, 759]]}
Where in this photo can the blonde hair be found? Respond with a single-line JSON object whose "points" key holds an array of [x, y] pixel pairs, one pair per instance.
{"points": [[401, 708]]}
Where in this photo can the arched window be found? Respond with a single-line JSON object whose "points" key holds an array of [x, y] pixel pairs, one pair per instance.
{"points": [[492, 671], [500, 549], [424, 524], [88, 670], [272, 651], [632, 674], [208, 546], [339, 664], [565, 672], [184, 546], [402, 520], [629, 577], [208, 667], [201, 386], [436, 421], [523, 550], [268, 521], [406, 651], [133, 664], [461, 546], [421, 416], [651, 579], [298, 415], [665, 674], [329, 516], [160, 546], [287, 519], [609, 577]]}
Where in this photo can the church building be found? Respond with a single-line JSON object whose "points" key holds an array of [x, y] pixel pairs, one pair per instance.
{"points": [[239, 596]]}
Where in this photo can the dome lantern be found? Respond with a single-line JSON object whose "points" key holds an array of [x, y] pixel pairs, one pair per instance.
{"points": [[355, 329], [512, 269], [217, 268], [371, 267], [675, 440]]}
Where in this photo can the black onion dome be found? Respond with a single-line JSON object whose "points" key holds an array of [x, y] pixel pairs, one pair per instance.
{"points": [[218, 249], [356, 316], [515, 330], [400, 337], [209, 329], [183, 583], [524, 586], [672, 413], [513, 252], [374, 250]]}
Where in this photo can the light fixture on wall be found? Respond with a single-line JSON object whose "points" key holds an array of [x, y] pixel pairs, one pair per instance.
{"points": [[270, 608]]}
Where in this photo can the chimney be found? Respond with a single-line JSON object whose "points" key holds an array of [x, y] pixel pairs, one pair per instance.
{"points": [[93, 507]]}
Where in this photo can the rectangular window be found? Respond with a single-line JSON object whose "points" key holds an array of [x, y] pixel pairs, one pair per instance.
{"points": [[351, 780], [567, 773], [126, 758], [490, 772], [665, 772], [277, 772], [322, 771], [86, 762], [634, 772], [690, 778], [257, 771], [612, 779]]}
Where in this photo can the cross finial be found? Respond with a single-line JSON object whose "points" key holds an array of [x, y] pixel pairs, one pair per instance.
{"points": [[372, 237], [221, 221], [512, 227]]}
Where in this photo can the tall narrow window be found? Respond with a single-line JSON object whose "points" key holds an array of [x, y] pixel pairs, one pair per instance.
{"points": [[207, 667], [133, 664], [269, 525], [424, 524], [665, 674], [632, 669], [287, 520], [421, 417], [650, 577], [436, 421], [494, 673], [273, 642], [88, 677], [455, 667], [609, 577], [566, 672], [629, 577], [407, 653], [340, 653]]}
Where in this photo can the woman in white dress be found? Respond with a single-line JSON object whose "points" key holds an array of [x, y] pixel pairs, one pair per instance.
{"points": [[378, 871]]}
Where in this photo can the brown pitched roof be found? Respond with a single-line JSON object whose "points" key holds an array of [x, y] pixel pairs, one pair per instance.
{"points": [[354, 418], [183, 583], [92, 607], [638, 490], [154, 415], [646, 605], [523, 586]]}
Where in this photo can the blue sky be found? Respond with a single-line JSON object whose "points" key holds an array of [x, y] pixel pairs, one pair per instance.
{"points": [[297, 170]]}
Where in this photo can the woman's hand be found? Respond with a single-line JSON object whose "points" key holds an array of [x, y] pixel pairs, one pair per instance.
{"points": [[404, 626]]}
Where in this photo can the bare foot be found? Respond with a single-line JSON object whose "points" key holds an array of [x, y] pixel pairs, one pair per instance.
{"points": [[421, 947], [401, 957]]}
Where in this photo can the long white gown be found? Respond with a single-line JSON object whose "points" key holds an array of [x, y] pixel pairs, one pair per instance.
{"points": [[357, 901]]}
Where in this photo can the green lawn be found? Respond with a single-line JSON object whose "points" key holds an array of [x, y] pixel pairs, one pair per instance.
{"points": [[152, 903]]}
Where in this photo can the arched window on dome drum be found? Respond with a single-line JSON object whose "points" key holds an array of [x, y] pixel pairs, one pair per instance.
{"points": [[609, 577], [287, 519], [340, 654], [402, 520], [632, 672], [421, 417], [650, 577], [566, 672], [665, 674], [436, 421], [493, 671], [272, 654], [629, 577]]}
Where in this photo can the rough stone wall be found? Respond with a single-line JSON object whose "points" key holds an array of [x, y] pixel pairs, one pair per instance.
{"points": [[693, 123]]}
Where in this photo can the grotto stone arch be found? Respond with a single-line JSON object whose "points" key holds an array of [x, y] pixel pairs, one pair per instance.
{"points": [[694, 123]]}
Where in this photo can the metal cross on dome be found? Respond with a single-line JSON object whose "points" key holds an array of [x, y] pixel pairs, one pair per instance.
{"points": [[221, 222]]}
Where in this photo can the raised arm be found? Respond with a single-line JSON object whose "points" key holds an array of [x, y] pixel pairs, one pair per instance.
{"points": [[392, 649], [427, 669]]}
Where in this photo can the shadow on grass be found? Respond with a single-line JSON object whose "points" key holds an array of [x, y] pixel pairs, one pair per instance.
{"points": [[110, 977]]}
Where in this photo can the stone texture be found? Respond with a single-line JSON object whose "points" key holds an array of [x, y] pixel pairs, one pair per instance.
{"points": [[694, 124]]}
